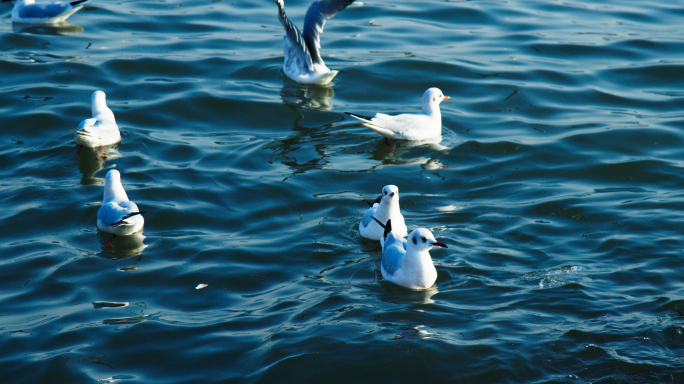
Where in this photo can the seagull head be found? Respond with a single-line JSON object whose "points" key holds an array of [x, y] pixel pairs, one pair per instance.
{"points": [[390, 193], [98, 96], [422, 239], [99, 105], [112, 180], [434, 96], [113, 189], [112, 175]]}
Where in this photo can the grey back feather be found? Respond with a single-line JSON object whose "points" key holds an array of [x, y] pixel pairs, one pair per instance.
{"points": [[394, 252]]}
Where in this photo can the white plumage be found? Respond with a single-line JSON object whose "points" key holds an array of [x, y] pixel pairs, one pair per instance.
{"points": [[101, 129], [386, 207], [118, 215], [408, 126], [407, 262]]}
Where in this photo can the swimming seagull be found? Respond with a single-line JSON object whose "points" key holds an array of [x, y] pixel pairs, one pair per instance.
{"points": [[408, 126], [303, 61], [407, 262], [43, 12], [384, 208], [118, 215], [101, 129]]}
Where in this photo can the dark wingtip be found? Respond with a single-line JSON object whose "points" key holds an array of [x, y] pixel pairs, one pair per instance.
{"points": [[77, 2], [125, 217], [359, 116], [387, 227], [377, 201]]}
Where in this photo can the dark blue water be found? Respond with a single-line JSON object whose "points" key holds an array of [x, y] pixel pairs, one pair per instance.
{"points": [[557, 187]]}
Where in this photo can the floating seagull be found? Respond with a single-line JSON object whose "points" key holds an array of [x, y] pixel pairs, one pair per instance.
{"points": [[407, 262], [118, 215], [408, 126], [303, 61], [384, 208], [101, 129], [43, 12]]}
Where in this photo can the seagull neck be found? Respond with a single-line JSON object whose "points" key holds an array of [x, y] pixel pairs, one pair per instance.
{"points": [[432, 110], [102, 112], [418, 260], [385, 208], [115, 192]]}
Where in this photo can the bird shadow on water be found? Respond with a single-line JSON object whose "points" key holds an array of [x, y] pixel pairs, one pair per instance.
{"points": [[91, 161], [123, 246], [398, 295], [63, 28], [304, 150], [425, 153], [315, 97]]}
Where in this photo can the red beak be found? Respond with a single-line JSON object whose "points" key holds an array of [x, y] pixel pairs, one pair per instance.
{"points": [[392, 194], [447, 98], [439, 244]]}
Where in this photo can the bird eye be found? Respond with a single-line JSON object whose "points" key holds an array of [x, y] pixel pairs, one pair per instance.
{"points": [[424, 239], [385, 192]]}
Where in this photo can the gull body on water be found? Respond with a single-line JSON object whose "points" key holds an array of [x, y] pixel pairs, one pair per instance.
{"points": [[424, 125], [407, 262], [101, 129], [43, 12]]}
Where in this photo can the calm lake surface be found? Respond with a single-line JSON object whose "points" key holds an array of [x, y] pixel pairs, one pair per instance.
{"points": [[558, 187]]}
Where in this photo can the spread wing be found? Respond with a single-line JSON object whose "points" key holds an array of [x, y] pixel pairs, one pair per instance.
{"points": [[294, 37], [319, 12]]}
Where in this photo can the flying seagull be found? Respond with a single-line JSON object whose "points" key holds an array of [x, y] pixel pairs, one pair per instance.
{"points": [[303, 61]]}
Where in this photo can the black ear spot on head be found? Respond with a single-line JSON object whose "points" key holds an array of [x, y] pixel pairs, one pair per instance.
{"points": [[414, 240], [433, 99]]}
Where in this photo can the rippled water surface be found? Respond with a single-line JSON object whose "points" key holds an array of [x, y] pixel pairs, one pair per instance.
{"points": [[558, 187]]}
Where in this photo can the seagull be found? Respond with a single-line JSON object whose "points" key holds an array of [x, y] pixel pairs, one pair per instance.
{"points": [[101, 129], [303, 61], [407, 262], [384, 208], [408, 126], [118, 215], [43, 12]]}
